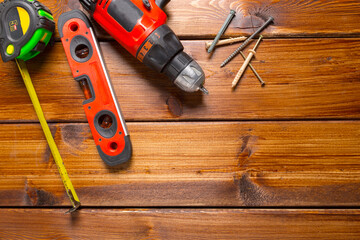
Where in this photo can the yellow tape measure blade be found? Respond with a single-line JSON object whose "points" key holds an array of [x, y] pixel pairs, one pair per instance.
{"points": [[54, 150]]}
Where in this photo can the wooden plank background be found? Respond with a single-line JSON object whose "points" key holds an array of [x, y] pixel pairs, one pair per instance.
{"points": [[180, 224], [201, 19], [281, 159], [208, 164], [319, 83]]}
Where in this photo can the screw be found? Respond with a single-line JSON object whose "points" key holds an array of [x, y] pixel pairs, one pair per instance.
{"points": [[247, 41], [253, 69], [226, 41], [246, 63], [222, 30]]}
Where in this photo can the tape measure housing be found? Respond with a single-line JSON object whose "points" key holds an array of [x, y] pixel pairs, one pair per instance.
{"points": [[26, 28]]}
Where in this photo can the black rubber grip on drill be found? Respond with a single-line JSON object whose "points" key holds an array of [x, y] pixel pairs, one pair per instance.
{"points": [[165, 45], [125, 12]]}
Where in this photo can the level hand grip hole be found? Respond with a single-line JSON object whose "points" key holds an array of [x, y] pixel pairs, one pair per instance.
{"points": [[74, 26], [106, 124]]}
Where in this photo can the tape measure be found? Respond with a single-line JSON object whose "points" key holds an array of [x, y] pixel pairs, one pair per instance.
{"points": [[53, 148], [26, 28]]}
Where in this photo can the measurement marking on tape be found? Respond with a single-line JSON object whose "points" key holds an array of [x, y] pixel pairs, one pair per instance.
{"points": [[54, 150]]}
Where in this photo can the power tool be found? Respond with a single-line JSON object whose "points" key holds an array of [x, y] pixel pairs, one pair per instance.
{"points": [[101, 108], [139, 26]]}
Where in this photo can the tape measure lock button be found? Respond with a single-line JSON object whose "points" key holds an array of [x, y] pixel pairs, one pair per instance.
{"points": [[10, 49]]}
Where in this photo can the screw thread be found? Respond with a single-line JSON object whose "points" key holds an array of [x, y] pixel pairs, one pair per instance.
{"points": [[247, 41], [244, 44]]}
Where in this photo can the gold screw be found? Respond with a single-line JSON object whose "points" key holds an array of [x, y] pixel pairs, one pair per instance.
{"points": [[246, 63]]}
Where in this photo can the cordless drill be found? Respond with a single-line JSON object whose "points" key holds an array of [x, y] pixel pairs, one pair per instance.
{"points": [[139, 26]]}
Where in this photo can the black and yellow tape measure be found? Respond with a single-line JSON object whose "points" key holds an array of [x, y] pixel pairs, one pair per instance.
{"points": [[26, 28]]}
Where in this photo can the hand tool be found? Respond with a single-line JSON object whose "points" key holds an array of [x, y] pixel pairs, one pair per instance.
{"points": [[139, 26], [225, 41], [247, 41], [53, 148], [101, 108], [246, 63], [254, 71], [222, 30], [25, 30]]}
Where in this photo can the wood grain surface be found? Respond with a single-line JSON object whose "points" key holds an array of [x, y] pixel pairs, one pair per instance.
{"points": [[189, 164], [167, 224], [273, 162], [302, 18], [306, 79]]}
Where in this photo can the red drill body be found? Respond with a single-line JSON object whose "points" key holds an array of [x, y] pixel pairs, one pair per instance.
{"points": [[139, 26], [145, 25]]}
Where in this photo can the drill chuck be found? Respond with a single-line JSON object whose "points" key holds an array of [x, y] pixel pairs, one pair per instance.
{"points": [[191, 79], [163, 52], [185, 73]]}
